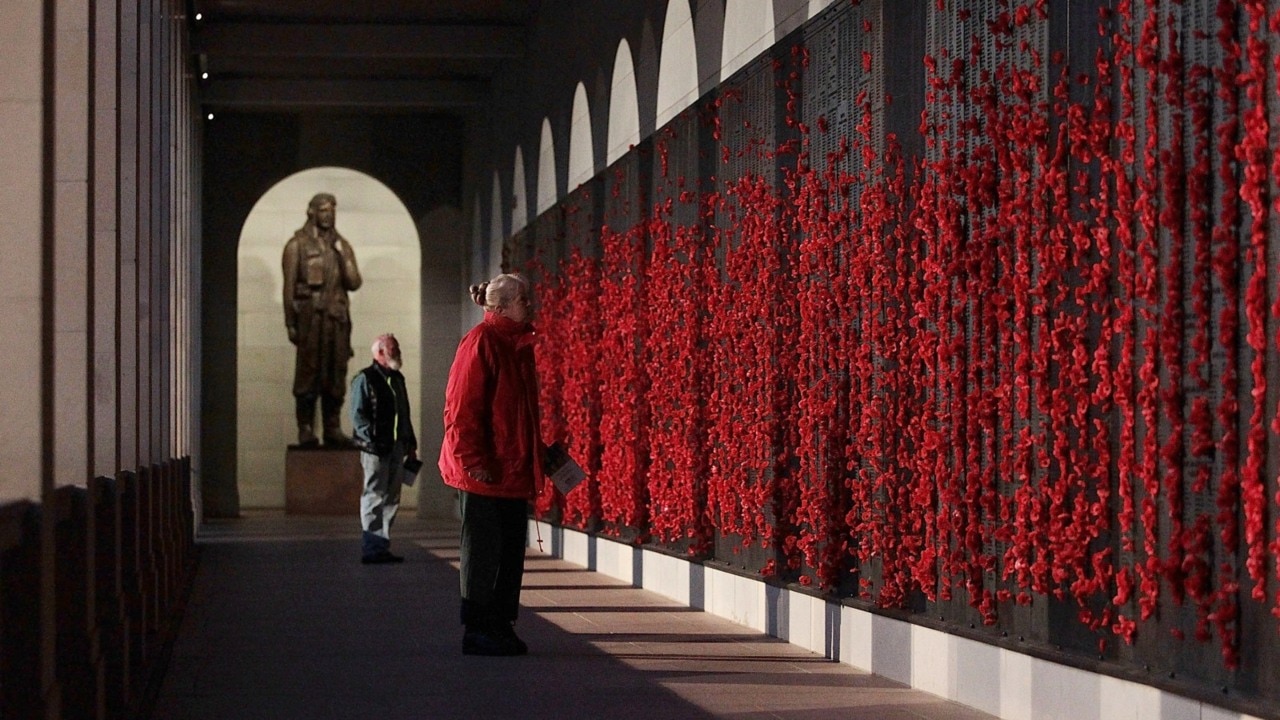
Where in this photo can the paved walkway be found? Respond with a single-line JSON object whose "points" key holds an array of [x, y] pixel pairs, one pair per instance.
{"points": [[284, 623]]}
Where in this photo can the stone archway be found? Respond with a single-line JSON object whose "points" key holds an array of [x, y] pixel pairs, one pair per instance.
{"points": [[385, 238]]}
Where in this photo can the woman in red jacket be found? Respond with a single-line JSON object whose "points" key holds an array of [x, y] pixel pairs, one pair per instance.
{"points": [[492, 454]]}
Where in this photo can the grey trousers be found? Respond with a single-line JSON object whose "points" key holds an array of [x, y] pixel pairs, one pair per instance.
{"points": [[381, 497], [491, 561]]}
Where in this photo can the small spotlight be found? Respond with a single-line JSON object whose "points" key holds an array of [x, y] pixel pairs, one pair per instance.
{"points": [[204, 76], [199, 16], [209, 116]]}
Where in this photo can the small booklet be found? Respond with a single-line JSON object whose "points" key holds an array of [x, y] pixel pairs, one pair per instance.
{"points": [[563, 471], [410, 474]]}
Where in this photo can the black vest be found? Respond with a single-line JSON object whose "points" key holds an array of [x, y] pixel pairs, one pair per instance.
{"points": [[382, 409]]}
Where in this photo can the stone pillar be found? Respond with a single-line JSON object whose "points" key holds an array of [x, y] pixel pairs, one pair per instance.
{"points": [[22, 245], [72, 251], [127, 252], [443, 262], [143, 299], [105, 198]]}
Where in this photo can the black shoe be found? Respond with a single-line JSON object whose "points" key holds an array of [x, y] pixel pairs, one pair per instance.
{"points": [[381, 558], [508, 633], [477, 642]]}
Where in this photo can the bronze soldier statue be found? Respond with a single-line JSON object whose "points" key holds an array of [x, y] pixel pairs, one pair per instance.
{"points": [[319, 270]]}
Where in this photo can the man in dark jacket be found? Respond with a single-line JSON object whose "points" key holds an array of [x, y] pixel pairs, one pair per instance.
{"points": [[383, 431]]}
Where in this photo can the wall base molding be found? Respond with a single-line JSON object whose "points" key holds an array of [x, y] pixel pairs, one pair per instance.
{"points": [[999, 681]]}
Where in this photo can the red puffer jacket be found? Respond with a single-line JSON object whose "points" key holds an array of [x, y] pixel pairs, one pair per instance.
{"points": [[491, 412]]}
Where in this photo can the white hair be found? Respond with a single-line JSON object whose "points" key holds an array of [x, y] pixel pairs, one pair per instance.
{"points": [[380, 341], [500, 291]]}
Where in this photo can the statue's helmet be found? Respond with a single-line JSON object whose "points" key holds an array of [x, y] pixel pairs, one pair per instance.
{"points": [[318, 201]]}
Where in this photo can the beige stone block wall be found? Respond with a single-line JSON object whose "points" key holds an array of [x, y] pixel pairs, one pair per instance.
{"points": [[21, 115], [387, 248]]}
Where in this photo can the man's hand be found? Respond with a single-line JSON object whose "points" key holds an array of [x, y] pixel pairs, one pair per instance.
{"points": [[480, 475], [293, 334]]}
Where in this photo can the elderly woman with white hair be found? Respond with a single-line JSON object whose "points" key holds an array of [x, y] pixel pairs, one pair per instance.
{"points": [[492, 454]]}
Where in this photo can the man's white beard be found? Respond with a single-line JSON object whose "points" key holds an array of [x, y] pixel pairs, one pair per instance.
{"points": [[394, 364]]}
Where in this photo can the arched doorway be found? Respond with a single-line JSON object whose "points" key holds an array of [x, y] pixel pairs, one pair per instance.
{"points": [[385, 239]]}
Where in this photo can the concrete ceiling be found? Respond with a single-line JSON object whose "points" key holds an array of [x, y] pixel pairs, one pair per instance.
{"points": [[366, 55]]}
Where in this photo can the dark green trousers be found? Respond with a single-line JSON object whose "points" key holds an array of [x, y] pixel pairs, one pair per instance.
{"points": [[491, 562]]}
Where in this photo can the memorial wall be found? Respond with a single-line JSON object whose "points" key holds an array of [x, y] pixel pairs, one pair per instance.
{"points": [[961, 311]]}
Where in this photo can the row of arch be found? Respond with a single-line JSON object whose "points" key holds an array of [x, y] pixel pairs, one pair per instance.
{"points": [[749, 28]]}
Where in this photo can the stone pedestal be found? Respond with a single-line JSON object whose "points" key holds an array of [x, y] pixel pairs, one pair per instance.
{"points": [[318, 481]]}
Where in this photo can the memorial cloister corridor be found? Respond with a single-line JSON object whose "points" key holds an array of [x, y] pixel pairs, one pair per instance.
{"points": [[283, 623]]}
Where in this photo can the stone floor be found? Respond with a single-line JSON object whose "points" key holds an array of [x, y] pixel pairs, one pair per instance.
{"points": [[283, 622]]}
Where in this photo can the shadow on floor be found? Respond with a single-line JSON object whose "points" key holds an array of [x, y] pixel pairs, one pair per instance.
{"points": [[283, 622]]}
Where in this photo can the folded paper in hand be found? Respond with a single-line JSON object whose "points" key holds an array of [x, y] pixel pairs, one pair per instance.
{"points": [[563, 471], [410, 474]]}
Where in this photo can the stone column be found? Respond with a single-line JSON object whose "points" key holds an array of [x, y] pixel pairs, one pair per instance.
{"points": [[127, 252], [22, 245], [105, 380], [72, 252]]}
